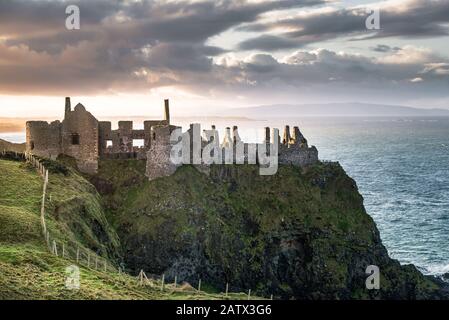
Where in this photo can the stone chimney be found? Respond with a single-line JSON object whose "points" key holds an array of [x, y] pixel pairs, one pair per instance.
{"points": [[68, 106], [167, 110], [286, 138], [235, 134], [267, 135], [296, 134]]}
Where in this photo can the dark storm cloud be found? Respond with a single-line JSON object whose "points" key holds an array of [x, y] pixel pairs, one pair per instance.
{"points": [[384, 48], [411, 19], [33, 17], [36, 23], [268, 43], [182, 57], [134, 46], [128, 44]]}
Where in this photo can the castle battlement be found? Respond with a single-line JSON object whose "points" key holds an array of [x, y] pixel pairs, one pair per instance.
{"points": [[81, 136]]}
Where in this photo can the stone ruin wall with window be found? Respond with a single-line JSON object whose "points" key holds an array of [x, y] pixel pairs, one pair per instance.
{"points": [[81, 136]]}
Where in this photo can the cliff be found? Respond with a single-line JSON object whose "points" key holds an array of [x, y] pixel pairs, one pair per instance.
{"points": [[300, 234]]}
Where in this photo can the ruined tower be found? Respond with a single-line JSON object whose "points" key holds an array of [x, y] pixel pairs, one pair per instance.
{"points": [[167, 111], [68, 107], [158, 156]]}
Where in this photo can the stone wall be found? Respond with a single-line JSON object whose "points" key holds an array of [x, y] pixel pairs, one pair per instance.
{"points": [[80, 136], [158, 156], [43, 139], [294, 149], [299, 156], [119, 144]]}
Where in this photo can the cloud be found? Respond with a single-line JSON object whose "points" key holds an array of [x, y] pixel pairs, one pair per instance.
{"points": [[324, 74], [121, 44], [404, 18], [137, 46], [417, 79], [384, 48], [268, 43]]}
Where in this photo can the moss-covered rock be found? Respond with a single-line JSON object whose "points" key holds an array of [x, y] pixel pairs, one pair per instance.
{"points": [[298, 234]]}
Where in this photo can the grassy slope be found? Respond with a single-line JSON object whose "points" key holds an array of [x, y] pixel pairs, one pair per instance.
{"points": [[8, 146], [29, 271]]}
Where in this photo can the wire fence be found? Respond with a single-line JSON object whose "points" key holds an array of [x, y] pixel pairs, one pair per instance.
{"points": [[159, 282], [66, 249], [72, 250]]}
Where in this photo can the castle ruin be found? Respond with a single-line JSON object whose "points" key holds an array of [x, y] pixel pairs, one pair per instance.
{"points": [[81, 136]]}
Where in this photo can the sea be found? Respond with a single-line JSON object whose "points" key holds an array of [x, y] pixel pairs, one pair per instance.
{"points": [[400, 164]]}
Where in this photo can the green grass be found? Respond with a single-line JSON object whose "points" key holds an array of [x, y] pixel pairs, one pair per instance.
{"points": [[30, 273], [75, 216]]}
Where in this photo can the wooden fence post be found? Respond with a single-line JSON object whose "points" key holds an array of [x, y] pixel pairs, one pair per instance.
{"points": [[77, 254], [176, 281], [163, 282], [227, 289], [141, 277], [249, 294], [199, 284], [55, 248], [44, 192], [63, 250]]}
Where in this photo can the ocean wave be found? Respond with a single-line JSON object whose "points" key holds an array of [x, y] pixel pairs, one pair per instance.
{"points": [[436, 269]]}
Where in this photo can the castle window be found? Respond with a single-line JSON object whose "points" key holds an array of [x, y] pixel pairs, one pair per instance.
{"points": [[109, 144], [154, 135], [75, 139], [32, 145], [138, 143]]}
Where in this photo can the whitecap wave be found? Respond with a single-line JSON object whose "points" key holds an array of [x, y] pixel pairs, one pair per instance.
{"points": [[437, 269]]}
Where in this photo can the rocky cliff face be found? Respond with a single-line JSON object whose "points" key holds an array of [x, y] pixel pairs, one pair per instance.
{"points": [[300, 234]]}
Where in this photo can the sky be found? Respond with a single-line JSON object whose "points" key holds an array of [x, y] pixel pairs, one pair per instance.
{"points": [[129, 55]]}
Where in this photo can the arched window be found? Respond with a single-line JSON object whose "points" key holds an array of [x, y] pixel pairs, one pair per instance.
{"points": [[75, 139], [32, 145]]}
